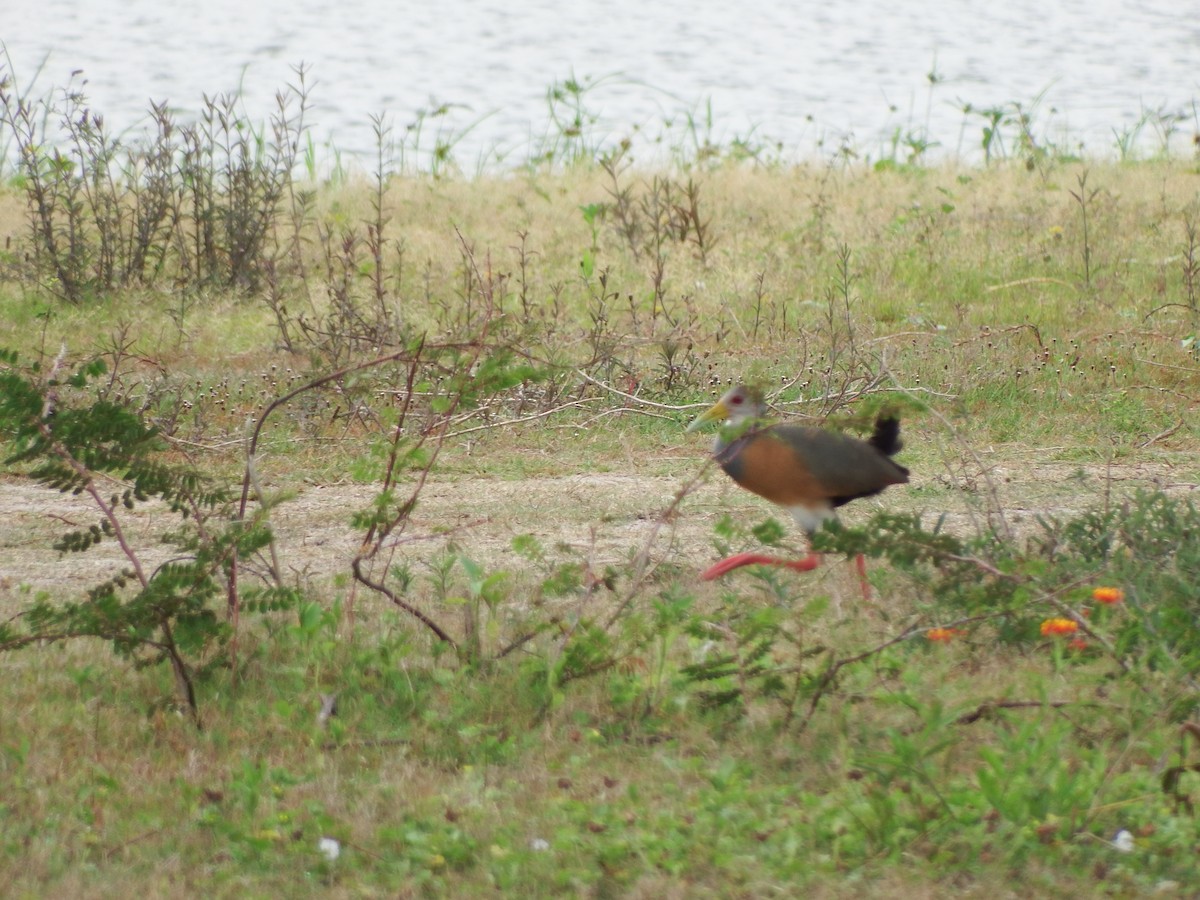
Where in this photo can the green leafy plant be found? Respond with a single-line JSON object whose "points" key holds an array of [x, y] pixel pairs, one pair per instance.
{"points": [[70, 439]]}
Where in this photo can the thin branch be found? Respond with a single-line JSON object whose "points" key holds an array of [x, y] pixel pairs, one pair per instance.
{"points": [[1165, 433], [633, 397], [1023, 282], [982, 565], [617, 411], [89, 485], [1149, 362], [380, 587], [1160, 308], [438, 536], [989, 706], [252, 443], [641, 563], [519, 421]]}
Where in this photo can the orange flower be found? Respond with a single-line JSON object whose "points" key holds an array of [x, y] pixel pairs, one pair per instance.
{"points": [[1056, 627], [1108, 595], [1077, 643], [942, 635]]}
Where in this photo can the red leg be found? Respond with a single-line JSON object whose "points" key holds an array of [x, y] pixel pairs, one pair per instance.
{"points": [[738, 560], [860, 563], [807, 564]]}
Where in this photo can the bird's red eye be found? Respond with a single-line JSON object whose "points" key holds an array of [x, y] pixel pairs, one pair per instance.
{"points": [[736, 399]]}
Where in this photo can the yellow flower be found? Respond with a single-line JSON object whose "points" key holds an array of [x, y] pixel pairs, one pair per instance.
{"points": [[1108, 595], [1056, 627]]}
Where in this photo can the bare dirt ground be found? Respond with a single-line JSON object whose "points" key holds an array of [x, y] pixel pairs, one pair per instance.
{"points": [[601, 517]]}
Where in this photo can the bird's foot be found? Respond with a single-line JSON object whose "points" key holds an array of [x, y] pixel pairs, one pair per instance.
{"points": [[738, 560]]}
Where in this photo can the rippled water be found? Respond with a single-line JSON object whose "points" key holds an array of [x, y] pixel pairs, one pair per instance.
{"points": [[807, 74]]}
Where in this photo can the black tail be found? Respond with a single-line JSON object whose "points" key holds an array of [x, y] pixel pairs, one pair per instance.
{"points": [[886, 438]]}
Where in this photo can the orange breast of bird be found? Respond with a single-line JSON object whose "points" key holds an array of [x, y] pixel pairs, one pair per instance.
{"points": [[770, 467]]}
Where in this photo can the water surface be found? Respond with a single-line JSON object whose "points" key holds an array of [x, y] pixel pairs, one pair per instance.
{"points": [[811, 75]]}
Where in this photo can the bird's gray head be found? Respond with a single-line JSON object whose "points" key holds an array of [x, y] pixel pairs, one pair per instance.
{"points": [[738, 405]]}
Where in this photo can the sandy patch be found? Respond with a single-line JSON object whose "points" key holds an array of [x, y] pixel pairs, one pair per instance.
{"points": [[604, 517]]}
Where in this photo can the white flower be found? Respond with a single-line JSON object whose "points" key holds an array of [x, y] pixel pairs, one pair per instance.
{"points": [[539, 844], [329, 848], [1123, 841]]}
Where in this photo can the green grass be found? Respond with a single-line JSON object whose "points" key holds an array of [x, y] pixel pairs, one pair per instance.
{"points": [[450, 783], [597, 757]]}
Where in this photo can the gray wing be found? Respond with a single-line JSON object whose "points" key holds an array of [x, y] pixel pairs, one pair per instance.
{"points": [[845, 467]]}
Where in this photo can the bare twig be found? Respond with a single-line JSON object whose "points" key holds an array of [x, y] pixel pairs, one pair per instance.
{"points": [[519, 421], [990, 706], [380, 587], [641, 563], [1165, 433], [1022, 282], [617, 411], [633, 397]]}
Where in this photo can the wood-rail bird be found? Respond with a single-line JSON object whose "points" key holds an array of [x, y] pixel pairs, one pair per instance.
{"points": [[807, 471]]}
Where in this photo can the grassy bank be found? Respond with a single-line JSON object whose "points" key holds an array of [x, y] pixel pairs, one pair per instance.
{"points": [[476, 521]]}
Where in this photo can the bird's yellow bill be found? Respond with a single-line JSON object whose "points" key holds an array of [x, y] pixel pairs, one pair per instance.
{"points": [[718, 412]]}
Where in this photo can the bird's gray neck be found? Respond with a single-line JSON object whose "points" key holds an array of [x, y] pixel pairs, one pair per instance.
{"points": [[725, 452]]}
